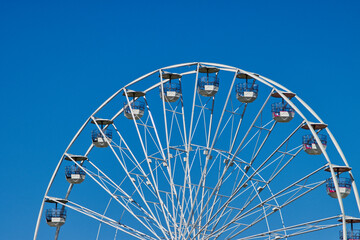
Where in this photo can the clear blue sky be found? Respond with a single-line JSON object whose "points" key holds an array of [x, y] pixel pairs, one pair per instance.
{"points": [[59, 60]]}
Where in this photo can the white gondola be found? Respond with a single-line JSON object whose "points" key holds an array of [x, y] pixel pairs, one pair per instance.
{"points": [[343, 182], [74, 174], [246, 92], [171, 89], [135, 108], [208, 85], [310, 144], [55, 217], [281, 111], [101, 138]]}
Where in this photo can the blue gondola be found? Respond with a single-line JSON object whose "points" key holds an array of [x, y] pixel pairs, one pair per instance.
{"points": [[55, 217], [344, 187], [282, 112], [310, 145], [247, 92], [74, 174], [172, 91], [138, 109], [351, 234]]}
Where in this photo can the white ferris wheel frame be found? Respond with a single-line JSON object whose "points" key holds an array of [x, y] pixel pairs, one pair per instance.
{"points": [[276, 87]]}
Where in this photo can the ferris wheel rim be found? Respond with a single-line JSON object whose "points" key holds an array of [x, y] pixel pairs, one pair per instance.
{"points": [[262, 79]]}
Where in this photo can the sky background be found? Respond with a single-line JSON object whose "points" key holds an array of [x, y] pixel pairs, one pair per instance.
{"points": [[59, 60]]}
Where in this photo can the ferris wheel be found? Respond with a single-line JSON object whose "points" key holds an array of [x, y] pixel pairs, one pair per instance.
{"points": [[202, 151]]}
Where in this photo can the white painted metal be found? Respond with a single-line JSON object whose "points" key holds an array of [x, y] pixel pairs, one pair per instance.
{"points": [[205, 203]]}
